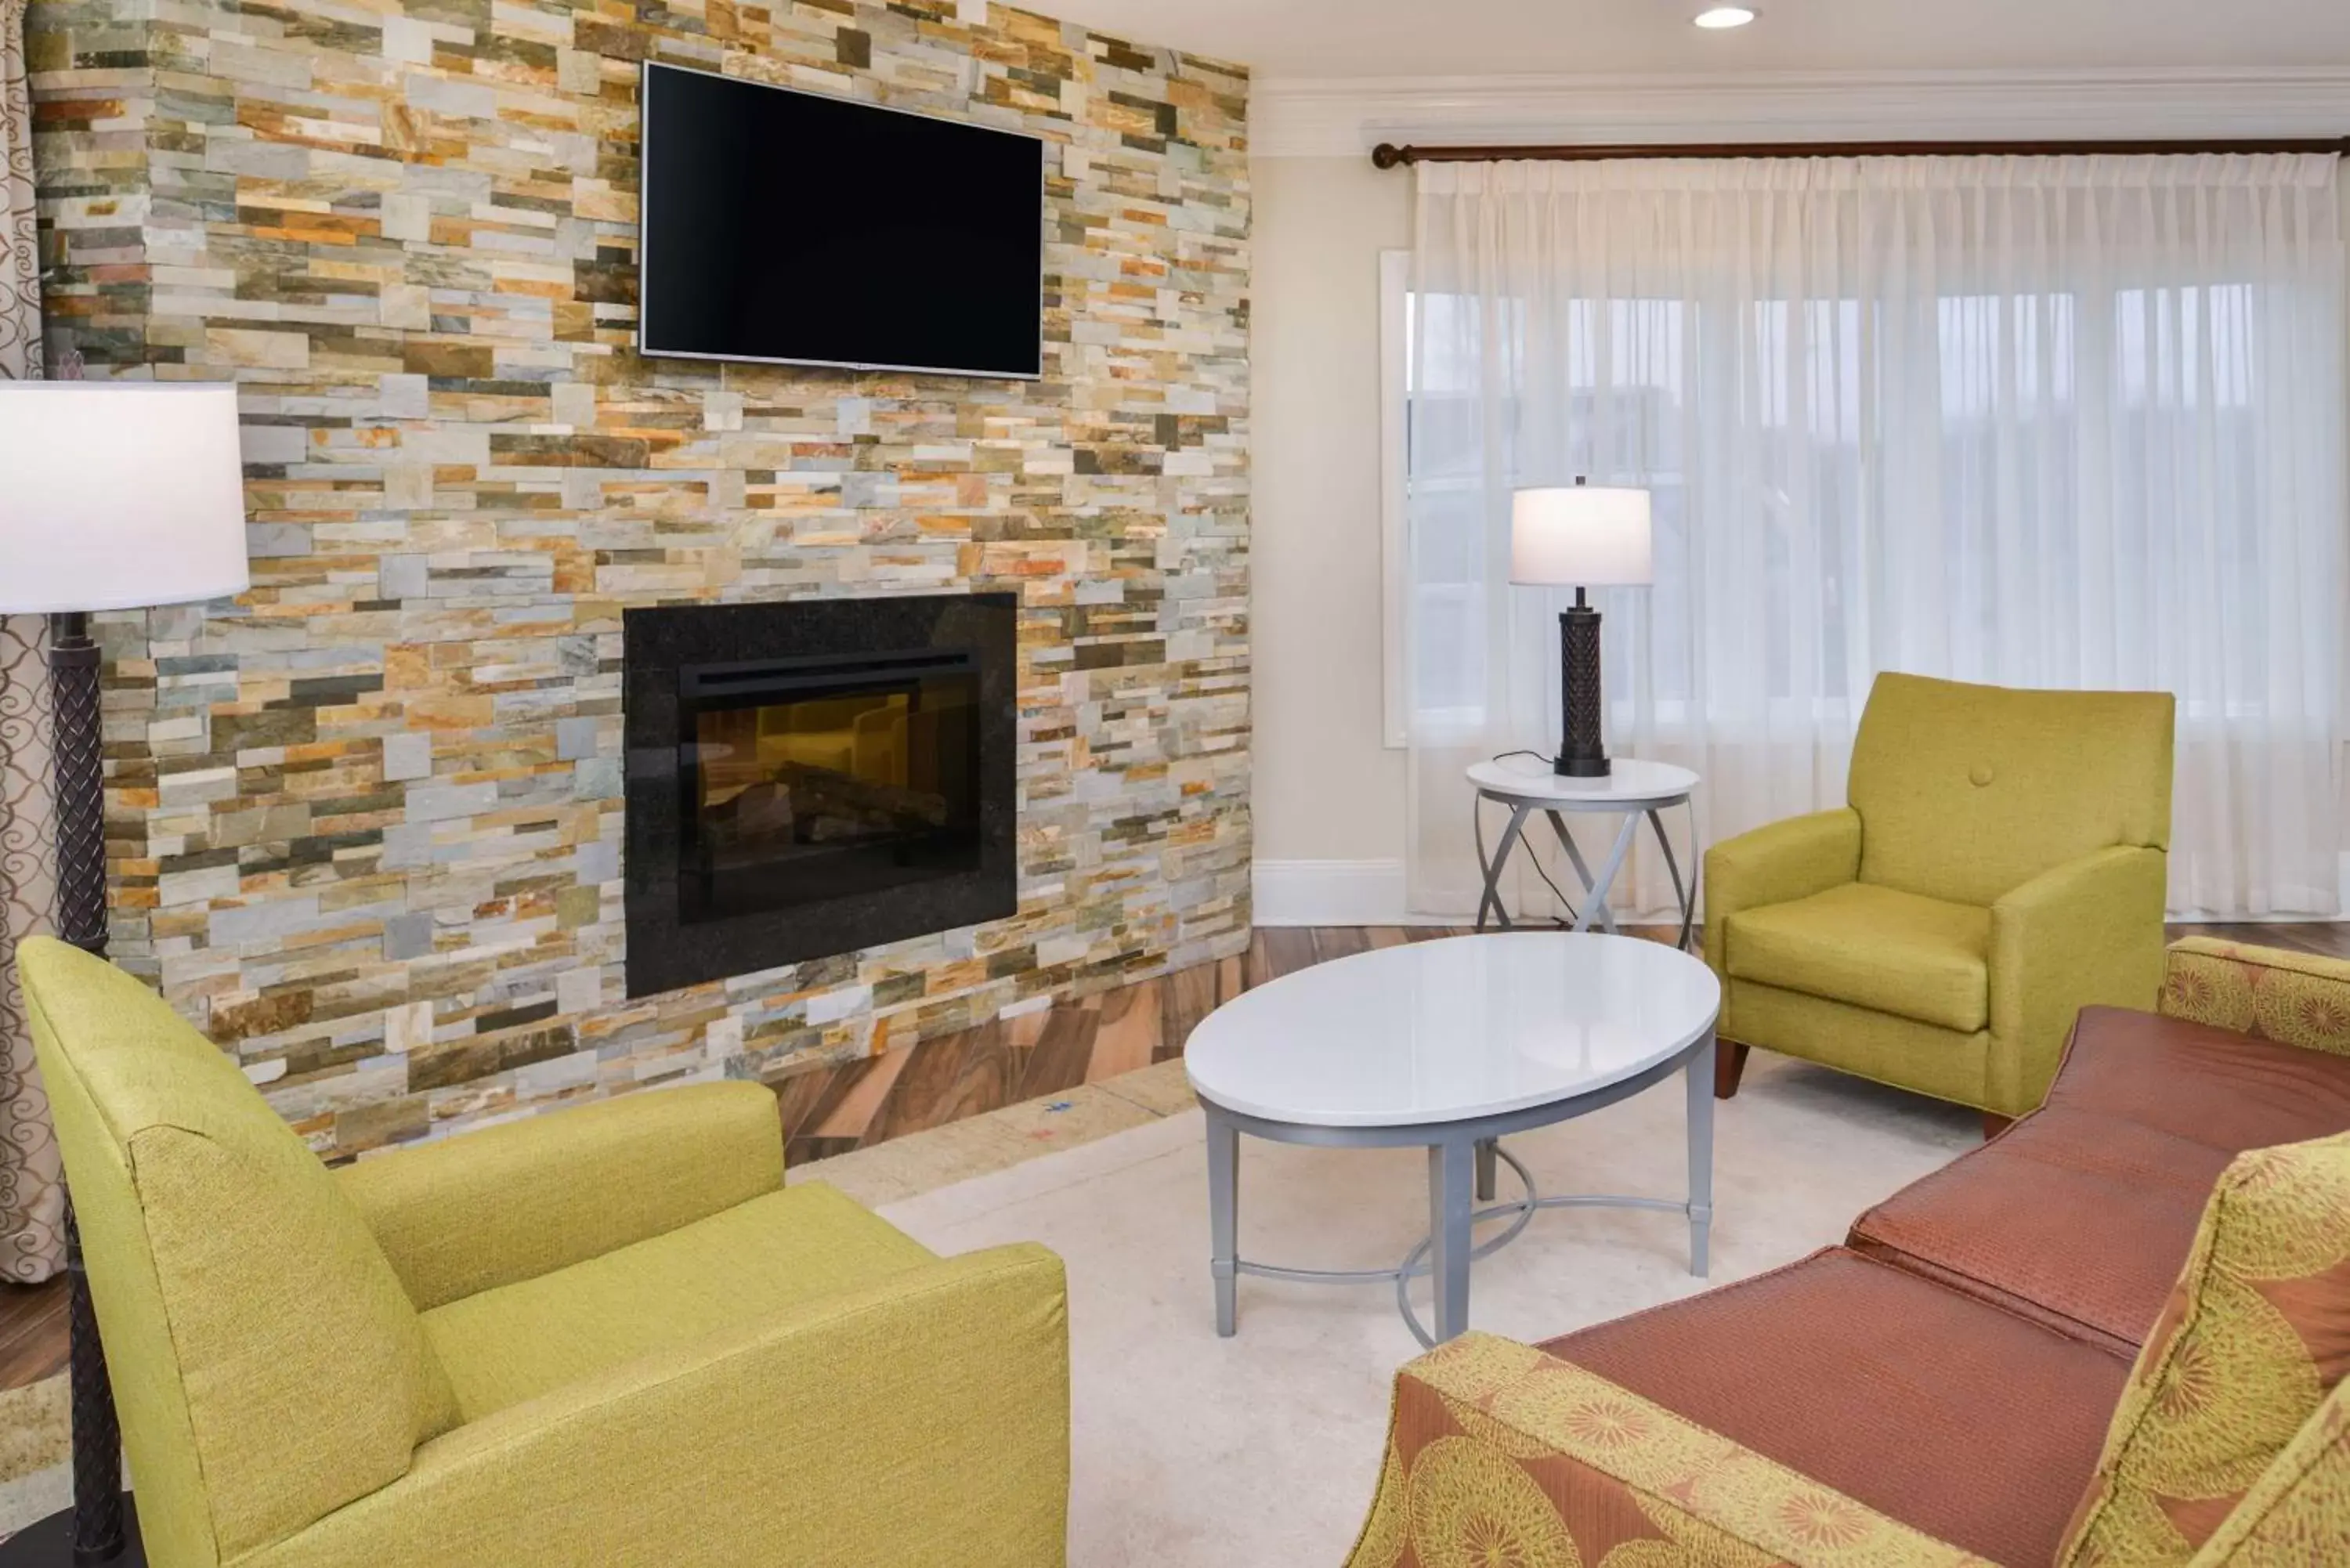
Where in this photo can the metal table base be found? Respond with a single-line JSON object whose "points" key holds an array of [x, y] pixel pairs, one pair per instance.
{"points": [[1595, 889], [1462, 1160]]}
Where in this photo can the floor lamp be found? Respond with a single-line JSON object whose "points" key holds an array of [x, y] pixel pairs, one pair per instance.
{"points": [[116, 495]]}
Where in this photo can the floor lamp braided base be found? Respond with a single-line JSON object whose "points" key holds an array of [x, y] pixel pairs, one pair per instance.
{"points": [[100, 1526]]}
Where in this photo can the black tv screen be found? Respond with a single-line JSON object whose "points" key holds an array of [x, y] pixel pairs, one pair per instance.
{"points": [[794, 227]]}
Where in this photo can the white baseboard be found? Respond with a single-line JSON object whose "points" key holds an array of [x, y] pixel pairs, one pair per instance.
{"points": [[1330, 893]]}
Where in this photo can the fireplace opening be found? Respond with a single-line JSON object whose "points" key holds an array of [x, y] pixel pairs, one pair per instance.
{"points": [[807, 780], [814, 776]]}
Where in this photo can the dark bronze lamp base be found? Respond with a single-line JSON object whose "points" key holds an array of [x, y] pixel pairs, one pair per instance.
{"points": [[1581, 755]]}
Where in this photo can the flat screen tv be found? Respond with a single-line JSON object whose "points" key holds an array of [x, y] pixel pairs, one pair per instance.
{"points": [[802, 229]]}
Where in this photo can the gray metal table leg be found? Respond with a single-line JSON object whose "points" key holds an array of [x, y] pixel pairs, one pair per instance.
{"points": [[1685, 897], [1574, 855], [1596, 907], [1485, 1170], [1492, 896], [1700, 1076], [1224, 1215], [1451, 1178], [1484, 861]]}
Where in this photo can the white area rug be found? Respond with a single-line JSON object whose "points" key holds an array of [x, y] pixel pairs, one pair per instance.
{"points": [[1262, 1449]]}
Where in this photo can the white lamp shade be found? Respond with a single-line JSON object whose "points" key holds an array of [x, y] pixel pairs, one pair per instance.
{"points": [[118, 494], [1583, 536]]}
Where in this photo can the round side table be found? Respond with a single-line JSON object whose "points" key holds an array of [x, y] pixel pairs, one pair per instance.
{"points": [[1636, 789]]}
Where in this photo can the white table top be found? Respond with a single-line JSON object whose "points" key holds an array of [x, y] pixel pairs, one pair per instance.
{"points": [[1453, 1029], [1632, 783]]}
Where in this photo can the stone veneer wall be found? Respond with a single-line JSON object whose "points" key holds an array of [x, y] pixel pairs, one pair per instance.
{"points": [[365, 822]]}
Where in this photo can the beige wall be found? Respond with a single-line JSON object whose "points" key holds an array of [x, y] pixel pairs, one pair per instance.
{"points": [[1326, 788]]}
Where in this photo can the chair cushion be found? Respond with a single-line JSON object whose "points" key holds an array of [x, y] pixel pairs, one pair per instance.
{"points": [[1930, 1406], [2082, 1212], [2231, 1092], [756, 1259], [2253, 1339], [1875, 947], [2075, 1218]]}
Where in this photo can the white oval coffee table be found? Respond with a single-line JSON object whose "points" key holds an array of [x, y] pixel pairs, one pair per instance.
{"points": [[1452, 1044]]}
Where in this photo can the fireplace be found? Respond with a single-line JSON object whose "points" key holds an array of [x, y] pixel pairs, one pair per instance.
{"points": [[809, 777]]}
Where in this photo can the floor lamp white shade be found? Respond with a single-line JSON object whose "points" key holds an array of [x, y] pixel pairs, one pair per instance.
{"points": [[118, 494]]}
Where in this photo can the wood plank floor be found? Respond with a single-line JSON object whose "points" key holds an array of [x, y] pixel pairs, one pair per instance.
{"points": [[830, 1110], [32, 1332]]}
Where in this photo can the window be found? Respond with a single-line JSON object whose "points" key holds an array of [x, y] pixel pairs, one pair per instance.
{"points": [[2070, 422], [2005, 371]]}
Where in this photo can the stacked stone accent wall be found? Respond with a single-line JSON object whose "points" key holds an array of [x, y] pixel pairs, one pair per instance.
{"points": [[365, 822]]}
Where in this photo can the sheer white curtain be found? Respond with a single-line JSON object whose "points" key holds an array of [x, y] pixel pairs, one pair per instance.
{"points": [[2041, 421]]}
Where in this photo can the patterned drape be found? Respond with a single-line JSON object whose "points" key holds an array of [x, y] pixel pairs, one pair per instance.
{"points": [[20, 277], [32, 1197]]}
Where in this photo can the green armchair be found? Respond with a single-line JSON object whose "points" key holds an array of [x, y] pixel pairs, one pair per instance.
{"points": [[2001, 865], [608, 1335]]}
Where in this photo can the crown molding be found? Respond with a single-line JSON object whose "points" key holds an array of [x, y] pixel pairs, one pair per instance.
{"points": [[1292, 117]]}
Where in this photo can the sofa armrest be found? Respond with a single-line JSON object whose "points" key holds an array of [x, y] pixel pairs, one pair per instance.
{"points": [[2294, 999], [2086, 933], [1495, 1435], [1776, 865], [922, 1419], [2292, 1513], [512, 1202]]}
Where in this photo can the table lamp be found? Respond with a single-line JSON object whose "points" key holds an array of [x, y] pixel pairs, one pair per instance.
{"points": [[113, 495], [1580, 536]]}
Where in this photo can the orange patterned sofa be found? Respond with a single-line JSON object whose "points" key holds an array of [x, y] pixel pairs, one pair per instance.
{"points": [[2114, 1335]]}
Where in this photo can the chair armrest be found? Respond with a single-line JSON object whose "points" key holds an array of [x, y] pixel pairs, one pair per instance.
{"points": [[512, 1202], [2294, 999], [1777, 864], [923, 1419], [1487, 1433], [2086, 933]]}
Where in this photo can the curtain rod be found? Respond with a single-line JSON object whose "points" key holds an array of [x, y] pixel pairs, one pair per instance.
{"points": [[1387, 154]]}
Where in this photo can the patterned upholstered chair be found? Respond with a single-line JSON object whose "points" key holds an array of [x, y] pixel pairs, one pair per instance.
{"points": [[2000, 866], [2114, 1337], [608, 1335]]}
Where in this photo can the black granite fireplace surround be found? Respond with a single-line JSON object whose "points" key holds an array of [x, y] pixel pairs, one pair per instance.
{"points": [[813, 776]]}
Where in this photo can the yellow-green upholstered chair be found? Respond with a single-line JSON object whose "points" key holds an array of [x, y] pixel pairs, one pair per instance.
{"points": [[608, 1336], [2001, 865]]}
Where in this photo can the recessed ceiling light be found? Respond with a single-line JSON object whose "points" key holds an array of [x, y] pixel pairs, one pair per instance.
{"points": [[1722, 17]]}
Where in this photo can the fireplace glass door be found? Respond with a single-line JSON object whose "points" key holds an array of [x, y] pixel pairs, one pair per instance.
{"points": [[805, 781]]}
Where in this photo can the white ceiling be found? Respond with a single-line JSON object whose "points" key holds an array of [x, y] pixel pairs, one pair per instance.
{"points": [[1351, 38]]}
